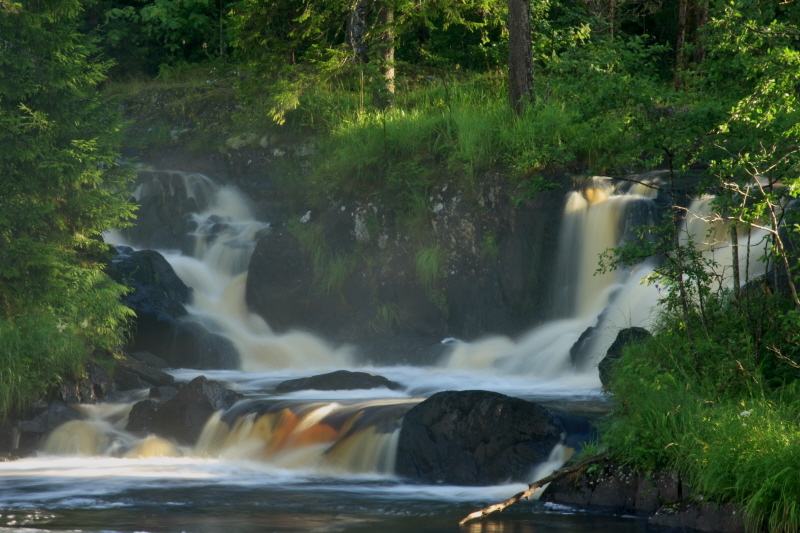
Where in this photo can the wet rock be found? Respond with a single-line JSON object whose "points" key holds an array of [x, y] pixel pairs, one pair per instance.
{"points": [[579, 354], [143, 371], [708, 517], [95, 385], [158, 298], [126, 380], [475, 438], [339, 380], [160, 328], [195, 347], [150, 360], [625, 337], [163, 393], [183, 416], [615, 488], [23, 437], [661, 495]]}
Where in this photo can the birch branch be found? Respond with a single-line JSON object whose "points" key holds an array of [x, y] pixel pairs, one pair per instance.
{"points": [[524, 495]]}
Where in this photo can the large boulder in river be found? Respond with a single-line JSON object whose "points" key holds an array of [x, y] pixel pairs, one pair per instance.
{"points": [[338, 380], [158, 299], [475, 438], [183, 416], [625, 337]]}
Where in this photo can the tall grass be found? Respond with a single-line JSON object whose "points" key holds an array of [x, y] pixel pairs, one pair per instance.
{"points": [[35, 350], [727, 420]]}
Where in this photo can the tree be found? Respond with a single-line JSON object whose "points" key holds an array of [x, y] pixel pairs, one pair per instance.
{"points": [[61, 186], [520, 55]]}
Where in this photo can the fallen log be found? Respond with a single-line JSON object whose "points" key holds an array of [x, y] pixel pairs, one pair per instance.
{"points": [[524, 495]]}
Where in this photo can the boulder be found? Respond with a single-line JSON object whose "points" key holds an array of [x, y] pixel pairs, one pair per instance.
{"points": [[339, 380], [183, 416], [579, 354], [625, 337], [475, 438], [158, 300], [151, 360], [146, 373], [24, 437], [193, 346]]}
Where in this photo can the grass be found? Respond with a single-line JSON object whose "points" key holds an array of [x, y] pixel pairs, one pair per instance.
{"points": [[35, 349], [728, 421]]}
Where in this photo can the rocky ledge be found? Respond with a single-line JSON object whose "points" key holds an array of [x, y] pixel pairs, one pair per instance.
{"points": [[662, 496]]}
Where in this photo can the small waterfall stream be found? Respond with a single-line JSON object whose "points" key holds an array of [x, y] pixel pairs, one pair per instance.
{"points": [[269, 458]]}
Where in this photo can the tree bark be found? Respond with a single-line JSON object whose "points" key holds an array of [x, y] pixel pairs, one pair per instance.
{"points": [[681, 42], [356, 33], [385, 51], [520, 55]]}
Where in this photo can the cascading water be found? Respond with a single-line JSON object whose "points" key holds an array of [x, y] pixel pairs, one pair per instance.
{"points": [[287, 449]]}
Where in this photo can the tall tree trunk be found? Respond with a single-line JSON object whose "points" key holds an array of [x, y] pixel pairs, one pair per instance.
{"points": [[701, 19], [357, 24], [520, 55], [681, 43], [385, 51]]}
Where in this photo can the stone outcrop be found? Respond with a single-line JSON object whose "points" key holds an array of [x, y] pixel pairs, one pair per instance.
{"points": [[475, 438], [662, 496], [625, 337], [158, 299], [338, 380], [183, 416]]}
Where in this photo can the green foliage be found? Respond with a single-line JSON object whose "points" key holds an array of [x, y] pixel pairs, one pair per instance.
{"points": [[61, 189], [35, 349], [726, 420]]}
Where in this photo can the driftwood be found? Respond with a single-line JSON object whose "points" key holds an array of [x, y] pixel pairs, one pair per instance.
{"points": [[524, 495]]}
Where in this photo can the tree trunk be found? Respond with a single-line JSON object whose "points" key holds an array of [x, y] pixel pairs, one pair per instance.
{"points": [[701, 19], [680, 44], [357, 24], [520, 55], [385, 51]]}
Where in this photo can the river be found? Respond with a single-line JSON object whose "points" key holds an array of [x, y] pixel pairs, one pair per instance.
{"points": [[331, 468]]}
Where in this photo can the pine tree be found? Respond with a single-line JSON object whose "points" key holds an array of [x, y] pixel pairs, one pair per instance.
{"points": [[60, 184]]}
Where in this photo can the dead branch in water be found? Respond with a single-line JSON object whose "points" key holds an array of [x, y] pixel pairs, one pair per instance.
{"points": [[524, 495]]}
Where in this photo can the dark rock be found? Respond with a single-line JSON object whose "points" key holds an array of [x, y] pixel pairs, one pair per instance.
{"points": [[625, 337], [163, 393], [147, 373], [616, 488], [141, 419], [158, 298], [402, 348], [94, 386], [196, 347], [475, 438], [708, 517], [339, 380], [182, 417], [25, 436], [279, 281], [127, 380], [579, 354], [150, 360]]}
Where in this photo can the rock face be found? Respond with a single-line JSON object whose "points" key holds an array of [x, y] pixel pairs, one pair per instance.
{"points": [[487, 273], [475, 438], [662, 495], [183, 416], [624, 338], [339, 380], [158, 300]]}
